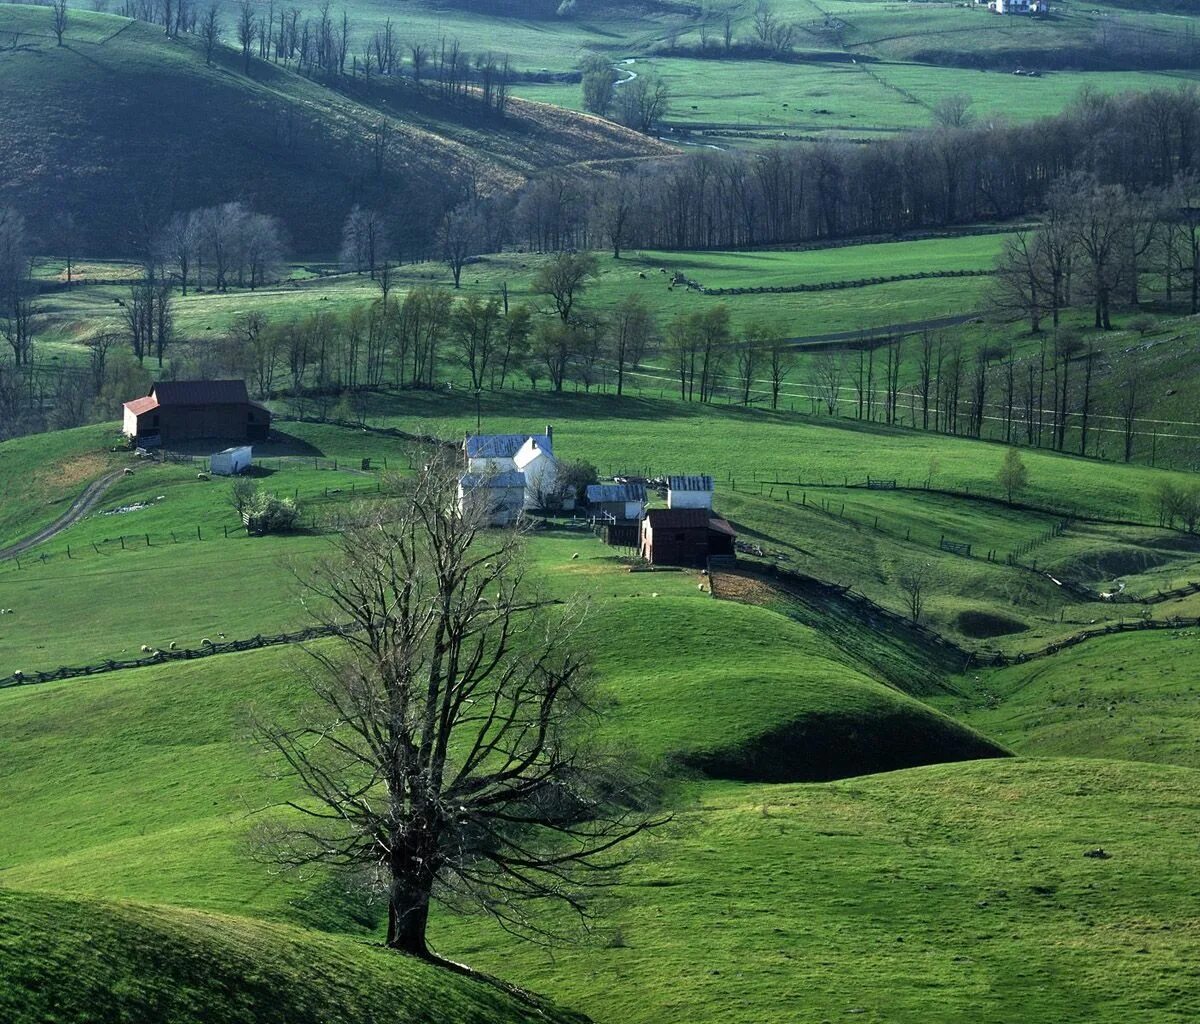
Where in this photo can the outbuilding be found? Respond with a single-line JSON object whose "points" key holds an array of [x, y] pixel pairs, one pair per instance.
{"points": [[695, 491], [685, 536], [189, 410], [231, 461], [620, 502]]}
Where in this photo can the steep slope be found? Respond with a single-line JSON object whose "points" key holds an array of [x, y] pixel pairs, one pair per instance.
{"points": [[121, 126], [68, 961]]}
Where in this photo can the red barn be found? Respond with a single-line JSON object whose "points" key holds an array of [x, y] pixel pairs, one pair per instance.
{"points": [[685, 536], [188, 410]]}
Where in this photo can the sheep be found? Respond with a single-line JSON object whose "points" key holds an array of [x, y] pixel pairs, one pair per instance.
{"points": [[220, 636], [575, 556], [172, 645], [201, 476], [18, 675], [655, 594], [127, 471], [206, 642]]}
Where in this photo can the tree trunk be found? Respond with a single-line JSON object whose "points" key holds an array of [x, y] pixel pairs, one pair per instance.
{"points": [[408, 916]]}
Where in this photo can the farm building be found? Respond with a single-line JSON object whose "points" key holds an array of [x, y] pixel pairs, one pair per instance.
{"points": [[618, 501], [690, 492], [231, 461], [685, 536], [1019, 6], [500, 496], [531, 455], [189, 410]]}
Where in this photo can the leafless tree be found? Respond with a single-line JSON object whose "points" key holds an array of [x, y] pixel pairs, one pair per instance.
{"points": [[247, 32], [364, 241], [460, 238], [780, 363], [914, 581], [1130, 405], [210, 31], [60, 17], [828, 370], [642, 103], [16, 288], [475, 332], [632, 328], [446, 754], [563, 279]]}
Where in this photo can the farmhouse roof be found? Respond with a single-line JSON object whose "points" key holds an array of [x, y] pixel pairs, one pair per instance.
{"points": [[141, 405], [690, 483], [200, 392], [503, 446], [616, 492], [678, 518], [493, 481], [721, 526]]}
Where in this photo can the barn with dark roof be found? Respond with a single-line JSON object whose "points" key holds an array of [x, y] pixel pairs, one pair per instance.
{"points": [[685, 536], [189, 410]]}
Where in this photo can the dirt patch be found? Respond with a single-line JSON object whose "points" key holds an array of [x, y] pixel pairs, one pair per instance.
{"points": [[984, 625], [73, 472], [733, 586], [1112, 563]]}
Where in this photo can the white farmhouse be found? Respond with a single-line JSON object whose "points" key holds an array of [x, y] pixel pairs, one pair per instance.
{"points": [[498, 496], [690, 492], [1019, 6], [531, 455]]}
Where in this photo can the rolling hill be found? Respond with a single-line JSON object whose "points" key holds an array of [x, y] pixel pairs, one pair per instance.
{"points": [[121, 127], [76, 960]]}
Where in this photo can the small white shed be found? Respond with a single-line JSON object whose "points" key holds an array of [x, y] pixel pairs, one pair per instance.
{"points": [[690, 492], [231, 461]]}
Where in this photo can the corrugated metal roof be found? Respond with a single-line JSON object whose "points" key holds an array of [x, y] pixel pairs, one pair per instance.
{"points": [[678, 518], [502, 446], [142, 405], [493, 481], [200, 392], [616, 492], [690, 483]]}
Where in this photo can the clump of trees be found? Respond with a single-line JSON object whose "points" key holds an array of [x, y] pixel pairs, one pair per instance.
{"points": [[220, 247], [483, 789]]}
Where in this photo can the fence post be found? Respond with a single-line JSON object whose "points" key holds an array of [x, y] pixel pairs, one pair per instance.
{"points": [[147, 540], [198, 537], [122, 542]]}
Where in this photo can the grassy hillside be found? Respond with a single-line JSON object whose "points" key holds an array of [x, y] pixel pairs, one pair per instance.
{"points": [[69, 960], [934, 895], [762, 697], [122, 127], [1132, 697]]}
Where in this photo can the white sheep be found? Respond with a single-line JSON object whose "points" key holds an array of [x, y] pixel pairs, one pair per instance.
{"points": [[206, 642], [145, 648], [172, 645]]}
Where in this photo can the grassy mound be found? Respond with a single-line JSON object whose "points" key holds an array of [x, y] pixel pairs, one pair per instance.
{"points": [[930, 896], [1132, 696], [68, 961], [156, 769], [285, 144], [745, 693]]}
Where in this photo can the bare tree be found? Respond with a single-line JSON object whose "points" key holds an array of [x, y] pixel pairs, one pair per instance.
{"points": [[914, 581], [247, 32], [445, 755], [60, 16], [632, 328], [16, 287], [642, 103], [210, 31], [564, 279], [460, 239], [780, 364], [1130, 404], [828, 370]]}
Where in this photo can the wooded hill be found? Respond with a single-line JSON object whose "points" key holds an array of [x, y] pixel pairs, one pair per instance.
{"points": [[121, 126]]}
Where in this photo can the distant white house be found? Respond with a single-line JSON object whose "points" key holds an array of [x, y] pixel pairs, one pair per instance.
{"points": [[1019, 6], [621, 501], [498, 496], [690, 492], [531, 455]]}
